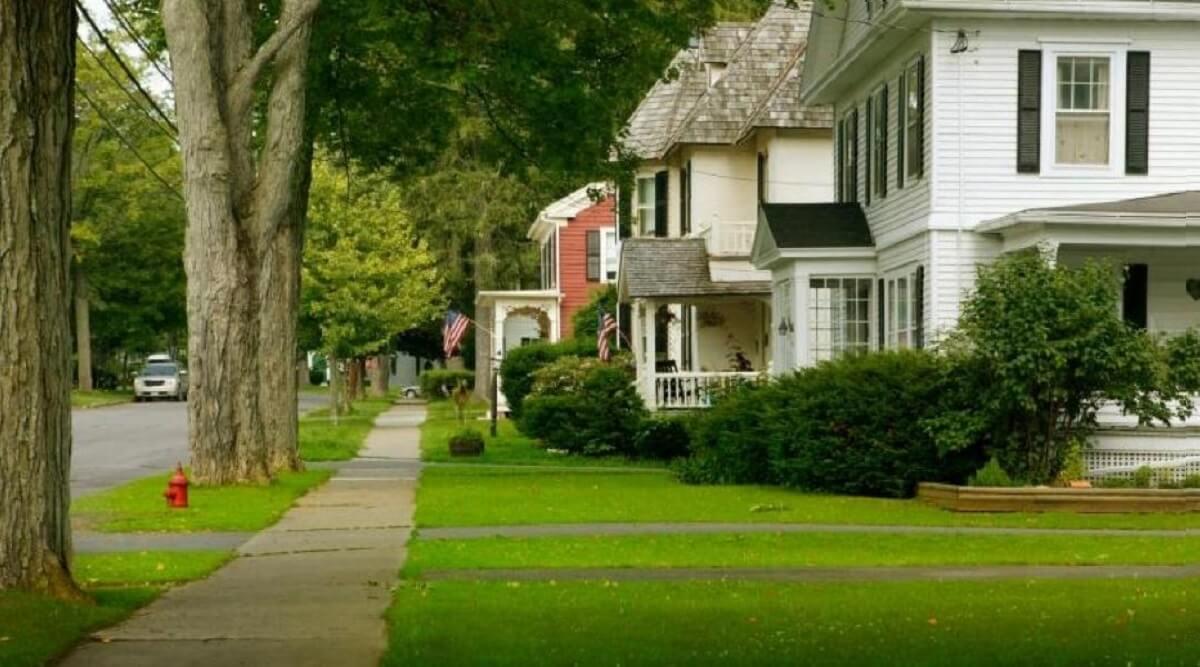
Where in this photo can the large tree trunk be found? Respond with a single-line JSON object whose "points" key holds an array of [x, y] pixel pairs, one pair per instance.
{"points": [[241, 252], [37, 60], [353, 379], [83, 333], [379, 375], [335, 386]]}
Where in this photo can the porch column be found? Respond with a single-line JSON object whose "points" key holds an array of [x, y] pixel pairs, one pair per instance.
{"points": [[798, 339], [649, 324]]}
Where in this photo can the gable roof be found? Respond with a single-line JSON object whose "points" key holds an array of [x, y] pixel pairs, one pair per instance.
{"points": [[756, 82], [791, 229], [759, 88], [566, 208], [674, 267]]}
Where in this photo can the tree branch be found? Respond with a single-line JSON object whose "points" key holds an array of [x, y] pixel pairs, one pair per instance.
{"points": [[241, 91]]}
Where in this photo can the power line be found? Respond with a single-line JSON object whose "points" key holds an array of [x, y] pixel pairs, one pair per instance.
{"points": [[128, 144], [133, 98], [751, 179], [128, 72], [137, 39]]}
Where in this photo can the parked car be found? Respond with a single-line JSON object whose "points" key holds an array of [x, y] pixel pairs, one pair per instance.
{"points": [[412, 392], [161, 379]]}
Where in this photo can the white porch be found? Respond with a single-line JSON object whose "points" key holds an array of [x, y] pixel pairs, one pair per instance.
{"points": [[506, 320]]}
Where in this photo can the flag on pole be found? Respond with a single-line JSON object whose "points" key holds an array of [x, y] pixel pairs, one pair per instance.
{"points": [[606, 325], [453, 331]]}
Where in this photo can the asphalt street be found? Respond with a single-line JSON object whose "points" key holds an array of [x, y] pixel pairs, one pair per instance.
{"points": [[119, 443]]}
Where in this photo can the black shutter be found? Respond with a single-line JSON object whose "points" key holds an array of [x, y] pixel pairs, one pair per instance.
{"points": [[869, 147], [685, 194], [882, 307], [762, 178], [1029, 112], [853, 156], [883, 141], [920, 170], [901, 126], [593, 255], [625, 210], [839, 177], [919, 308], [661, 202], [1135, 305], [1137, 112]]}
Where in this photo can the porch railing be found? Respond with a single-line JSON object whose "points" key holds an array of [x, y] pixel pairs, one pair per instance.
{"points": [[728, 238], [684, 391]]}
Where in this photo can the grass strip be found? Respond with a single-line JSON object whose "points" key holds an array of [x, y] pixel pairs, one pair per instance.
{"points": [[99, 398], [1116, 622], [469, 496], [138, 506], [509, 446], [141, 568], [796, 550], [323, 440]]}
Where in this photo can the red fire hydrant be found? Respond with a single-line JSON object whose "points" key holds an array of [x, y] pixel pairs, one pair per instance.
{"points": [[177, 489]]}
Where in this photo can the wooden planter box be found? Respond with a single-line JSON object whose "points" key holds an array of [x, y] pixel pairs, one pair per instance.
{"points": [[1029, 499]]}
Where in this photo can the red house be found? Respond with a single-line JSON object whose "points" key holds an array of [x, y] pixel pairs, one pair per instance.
{"points": [[578, 239]]}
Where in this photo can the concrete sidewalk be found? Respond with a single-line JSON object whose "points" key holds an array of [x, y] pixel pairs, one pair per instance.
{"points": [[311, 590]]}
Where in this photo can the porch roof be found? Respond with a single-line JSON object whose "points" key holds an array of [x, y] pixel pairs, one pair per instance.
{"points": [[675, 267], [804, 230]]}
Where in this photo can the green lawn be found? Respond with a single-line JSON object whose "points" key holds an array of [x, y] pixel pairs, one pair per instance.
{"points": [[35, 629], [488, 496], [99, 398], [797, 550], [509, 447], [138, 506], [1116, 622], [323, 440]]}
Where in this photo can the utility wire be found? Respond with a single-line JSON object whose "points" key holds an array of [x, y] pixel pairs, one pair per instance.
{"points": [[128, 72], [132, 97], [128, 144], [138, 40]]}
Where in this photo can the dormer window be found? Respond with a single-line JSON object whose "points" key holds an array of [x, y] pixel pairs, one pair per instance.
{"points": [[715, 72]]}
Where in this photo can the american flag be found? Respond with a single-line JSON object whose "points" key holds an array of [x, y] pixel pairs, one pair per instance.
{"points": [[453, 331], [605, 327]]}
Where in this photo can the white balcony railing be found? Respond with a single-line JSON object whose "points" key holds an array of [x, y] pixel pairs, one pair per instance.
{"points": [[683, 391], [728, 238]]}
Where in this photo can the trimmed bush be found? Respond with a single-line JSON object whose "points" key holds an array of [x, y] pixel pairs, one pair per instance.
{"points": [[467, 442], [663, 438], [519, 365], [991, 474], [854, 426], [586, 320], [439, 383], [585, 407]]}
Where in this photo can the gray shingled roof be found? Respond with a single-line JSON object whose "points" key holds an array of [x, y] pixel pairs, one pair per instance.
{"points": [[761, 80], [675, 267], [1171, 203], [673, 97], [817, 225]]}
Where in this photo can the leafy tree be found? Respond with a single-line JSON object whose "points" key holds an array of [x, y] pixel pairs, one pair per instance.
{"points": [[366, 277], [586, 320], [127, 226], [1038, 349]]}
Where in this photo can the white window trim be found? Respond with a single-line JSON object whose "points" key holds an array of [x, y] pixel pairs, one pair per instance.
{"points": [[811, 349], [645, 226], [876, 149], [911, 65], [891, 332], [1115, 52], [607, 237]]}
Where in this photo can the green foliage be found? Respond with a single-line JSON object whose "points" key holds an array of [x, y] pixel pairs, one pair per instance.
{"points": [[584, 406], [1182, 355], [855, 425], [438, 383], [519, 365], [586, 320], [664, 438], [316, 374], [1143, 477], [365, 277], [466, 441], [992, 474], [1038, 349]]}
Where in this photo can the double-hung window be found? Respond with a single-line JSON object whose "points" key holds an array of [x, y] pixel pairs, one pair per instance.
{"points": [[611, 251], [900, 311], [644, 209], [1082, 118], [839, 317], [847, 155], [550, 262], [910, 135], [877, 137]]}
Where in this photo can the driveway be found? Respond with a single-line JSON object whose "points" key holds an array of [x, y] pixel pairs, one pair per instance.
{"points": [[123, 442]]}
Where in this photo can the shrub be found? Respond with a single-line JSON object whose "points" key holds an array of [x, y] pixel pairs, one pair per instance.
{"points": [[316, 373], [1037, 350], [991, 474], [519, 365], [1190, 482], [467, 442], [439, 383], [663, 438], [1143, 477], [586, 320], [584, 406], [855, 426]]}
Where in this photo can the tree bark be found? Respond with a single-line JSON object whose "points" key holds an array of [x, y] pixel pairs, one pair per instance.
{"points": [[243, 238], [353, 379], [37, 60], [83, 333], [335, 387], [379, 375]]}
